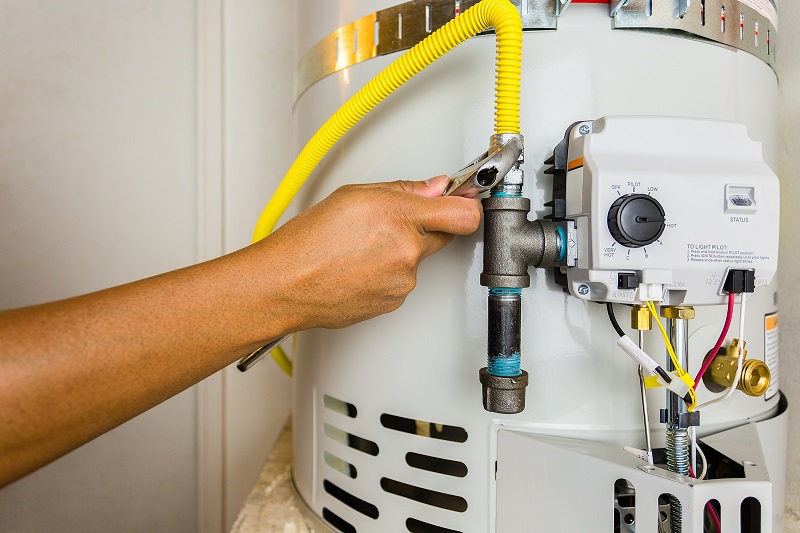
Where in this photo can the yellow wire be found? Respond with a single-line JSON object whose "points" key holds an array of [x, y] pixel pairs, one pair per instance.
{"points": [[672, 355], [678, 368], [500, 14]]}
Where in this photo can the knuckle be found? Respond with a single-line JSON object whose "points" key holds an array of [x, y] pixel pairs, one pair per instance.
{"points": [[409, 284], [396, 300], [410, 256], [402, 284]]}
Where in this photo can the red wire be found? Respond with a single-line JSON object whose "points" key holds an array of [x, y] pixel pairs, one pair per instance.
{"points": [[707, 363], [714, 517], [713, 352], [709, 508]]}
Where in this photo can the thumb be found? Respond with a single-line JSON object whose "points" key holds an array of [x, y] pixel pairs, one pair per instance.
{"points": [[430, 188]]}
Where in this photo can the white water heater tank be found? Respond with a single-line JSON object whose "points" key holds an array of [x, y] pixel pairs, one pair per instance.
{"points": [[389, 430]]}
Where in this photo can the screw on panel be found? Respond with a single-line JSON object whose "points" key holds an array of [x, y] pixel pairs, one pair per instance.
{"points": [[583, 290], [584, 130]]}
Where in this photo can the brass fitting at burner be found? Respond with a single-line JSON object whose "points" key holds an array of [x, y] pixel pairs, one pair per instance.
{"points": [[755, 376]]}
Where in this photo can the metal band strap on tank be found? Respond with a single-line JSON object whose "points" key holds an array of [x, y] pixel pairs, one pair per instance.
{"points": [[398, 28], [730, 22]]}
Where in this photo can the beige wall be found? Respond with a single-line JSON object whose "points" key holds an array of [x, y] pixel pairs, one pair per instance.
{"points": [[135, 138], [97, 188]]}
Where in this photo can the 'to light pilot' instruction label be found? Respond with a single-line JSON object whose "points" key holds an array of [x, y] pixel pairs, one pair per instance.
{"points": [[721, 253]]}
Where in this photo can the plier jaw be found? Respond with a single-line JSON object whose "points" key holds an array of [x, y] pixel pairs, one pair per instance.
{"points": [[489, 169]]}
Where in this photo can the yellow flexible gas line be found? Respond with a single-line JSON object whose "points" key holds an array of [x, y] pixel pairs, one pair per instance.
{"points": [[500, 14]]}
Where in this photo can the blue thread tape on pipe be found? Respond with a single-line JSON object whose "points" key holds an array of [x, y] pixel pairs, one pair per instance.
{"points": [[504, 366], [504, 291], [504, 194], [562, 249]]}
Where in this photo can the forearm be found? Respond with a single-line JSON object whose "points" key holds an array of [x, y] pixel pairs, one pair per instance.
{"points": [[71, 370]]}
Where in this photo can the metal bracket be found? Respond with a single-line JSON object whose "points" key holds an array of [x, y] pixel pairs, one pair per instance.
{"points": [[615, 6]]}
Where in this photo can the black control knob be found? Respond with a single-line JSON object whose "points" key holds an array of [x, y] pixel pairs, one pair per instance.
{"points": [[636, 220]]}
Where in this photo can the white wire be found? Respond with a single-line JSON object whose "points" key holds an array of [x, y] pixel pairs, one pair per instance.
{"points": [[741, 324], [646, 418], [740, 361], [705, 462]]}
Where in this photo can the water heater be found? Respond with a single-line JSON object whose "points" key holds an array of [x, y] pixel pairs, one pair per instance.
{"points": [[641, 192]]}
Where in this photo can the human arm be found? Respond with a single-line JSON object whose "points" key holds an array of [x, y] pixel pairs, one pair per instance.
{"points": [[73, 369]]}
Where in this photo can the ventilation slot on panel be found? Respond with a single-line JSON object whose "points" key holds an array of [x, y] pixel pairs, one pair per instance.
{"points": [[348, 439], [751, 515], [436, 464], [426, 496], [624, 506], [338, 406], [340, 464], [336, 521], [417, 526], [351, 501], [424, 429]]}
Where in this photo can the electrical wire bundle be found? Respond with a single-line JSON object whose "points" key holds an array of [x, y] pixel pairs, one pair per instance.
{"points": [[679, 371], [713, 353], [649, 363], [660, 377], [691, 397]]}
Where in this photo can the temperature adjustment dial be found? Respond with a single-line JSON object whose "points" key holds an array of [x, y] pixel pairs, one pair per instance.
{"points": [[636, 220]]}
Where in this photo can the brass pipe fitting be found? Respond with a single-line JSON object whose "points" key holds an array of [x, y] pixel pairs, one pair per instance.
{"points": [[641, 318], [755, 377], [678, 312]]}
